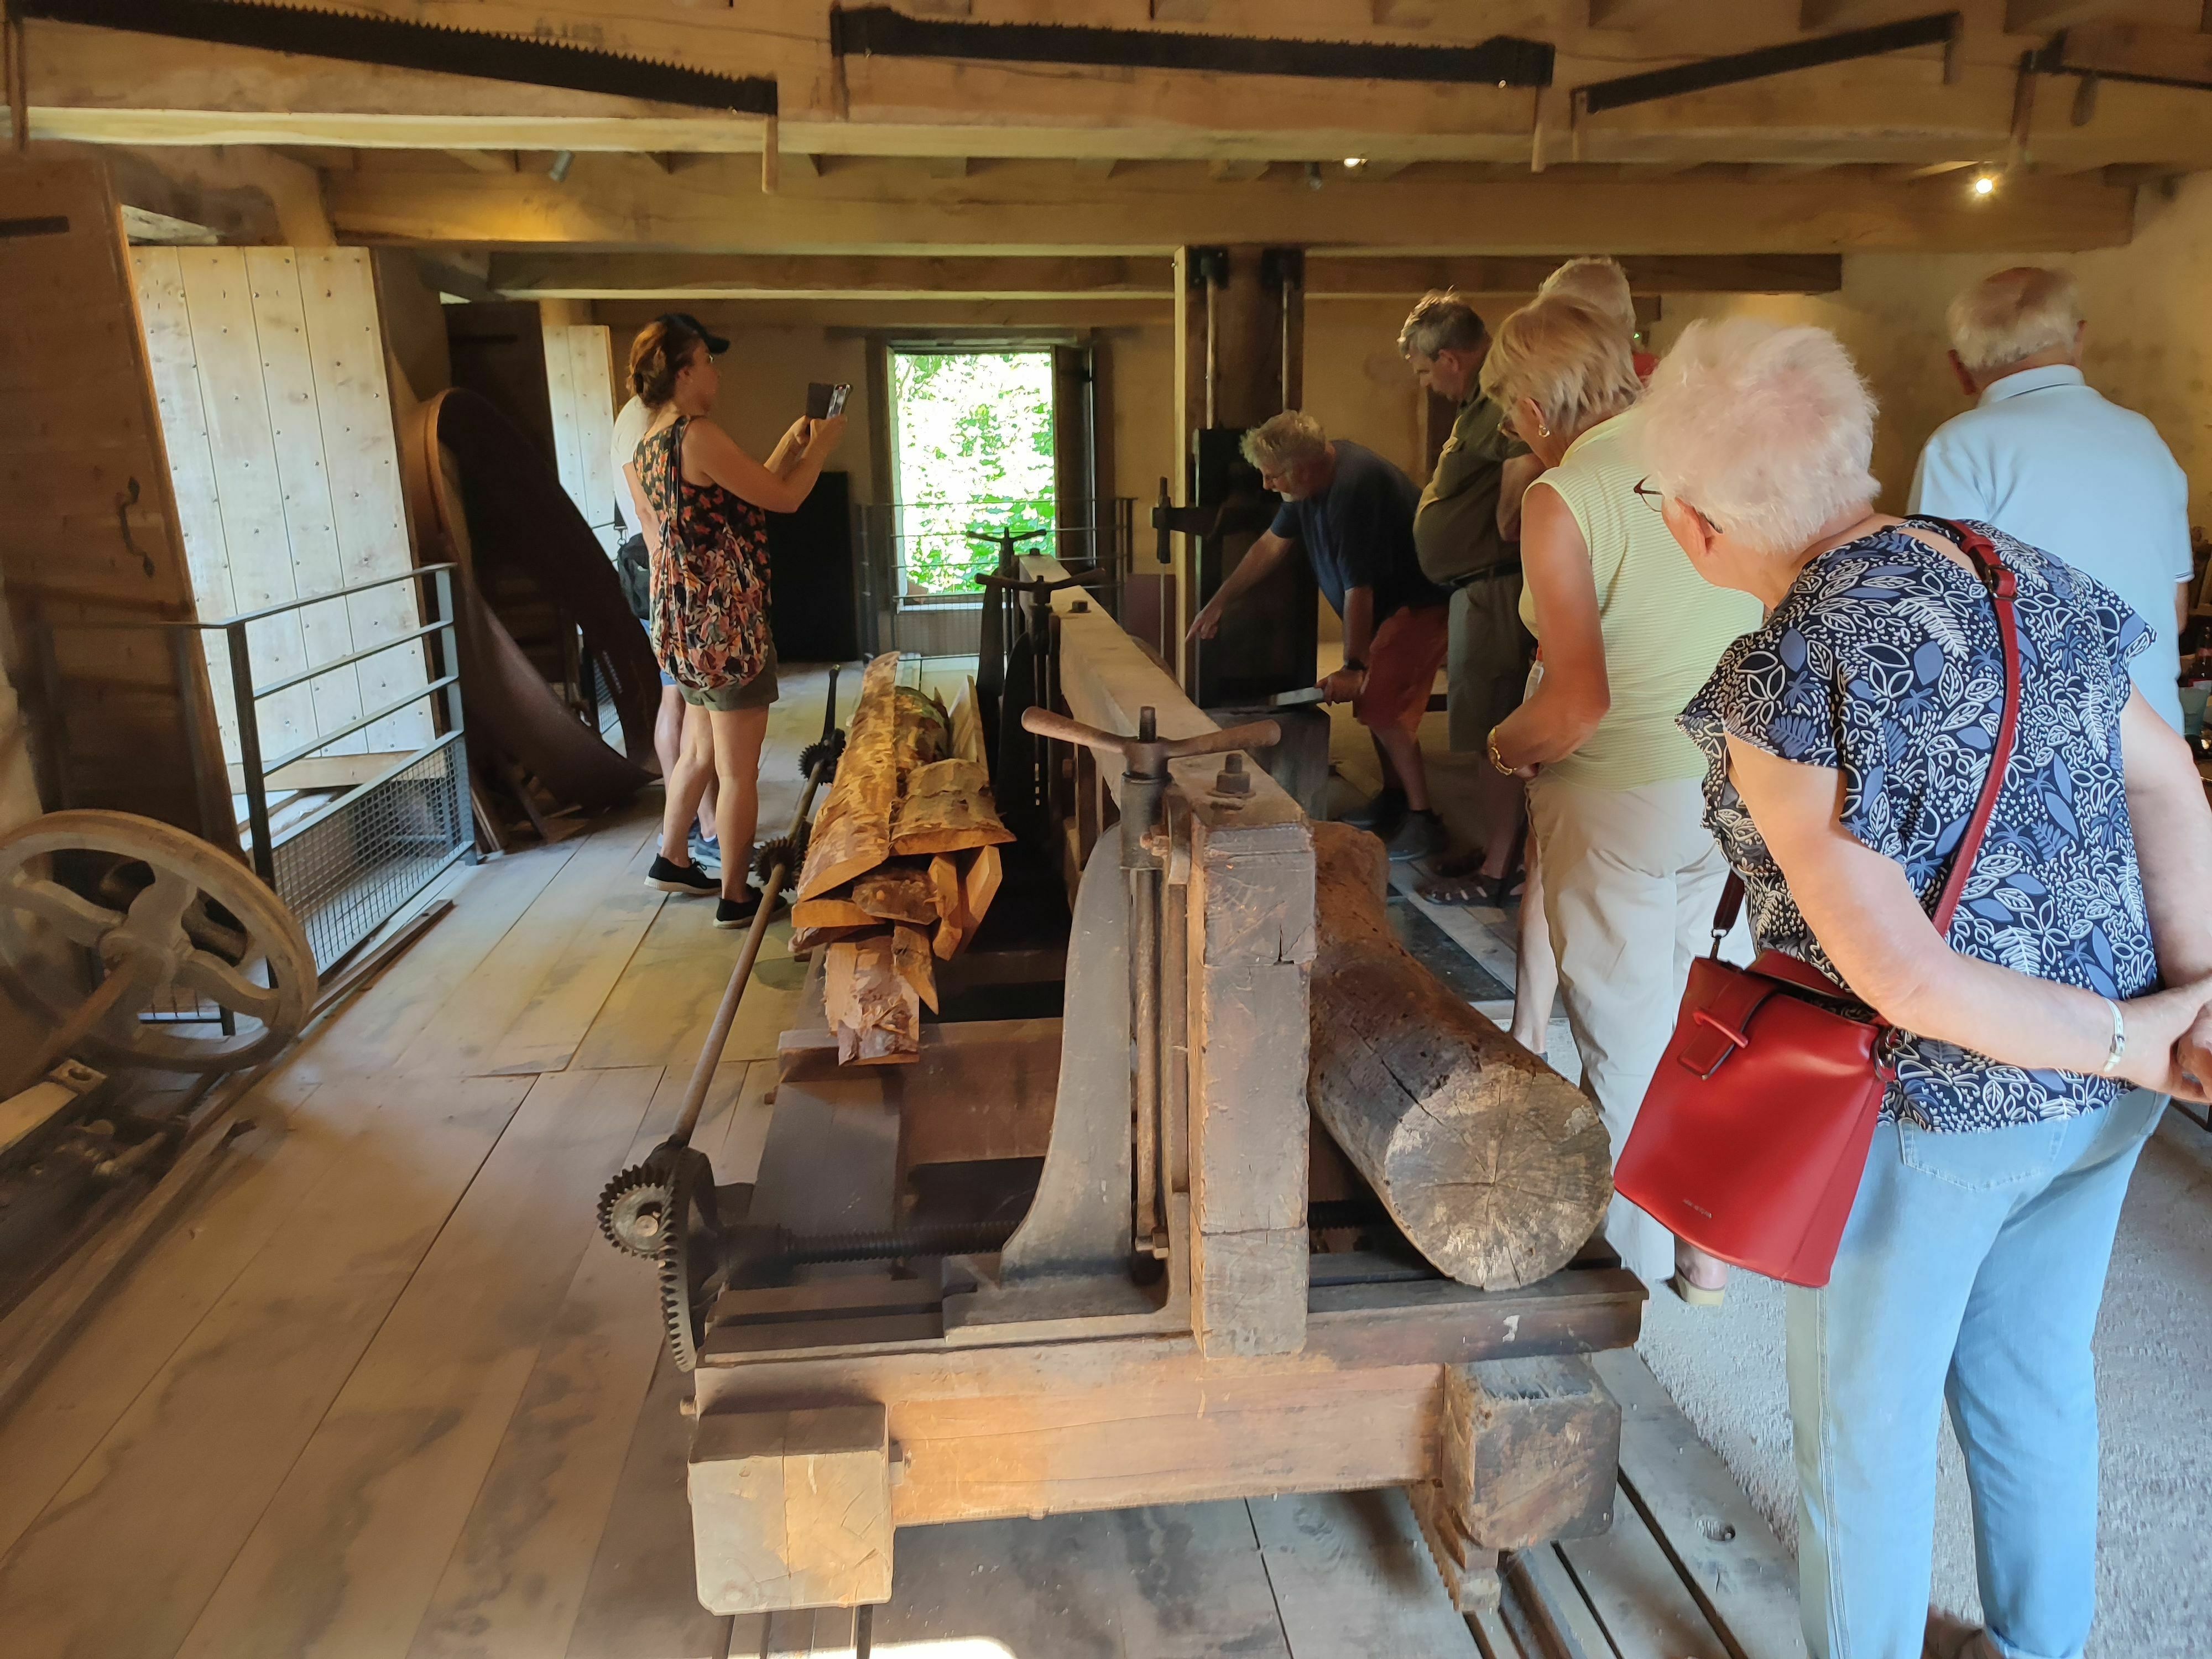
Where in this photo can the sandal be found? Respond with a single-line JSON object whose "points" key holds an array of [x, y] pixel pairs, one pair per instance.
{"points": [[1447, 888]]}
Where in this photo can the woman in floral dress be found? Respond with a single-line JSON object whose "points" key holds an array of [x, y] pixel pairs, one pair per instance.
{"points": [[703, 502]]}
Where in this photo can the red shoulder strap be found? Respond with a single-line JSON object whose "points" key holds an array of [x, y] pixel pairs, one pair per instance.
{"points": [[1998, 578]]}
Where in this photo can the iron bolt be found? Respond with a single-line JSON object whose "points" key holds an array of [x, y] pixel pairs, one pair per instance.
{"points": [[1232, 779], [1081, 607]]}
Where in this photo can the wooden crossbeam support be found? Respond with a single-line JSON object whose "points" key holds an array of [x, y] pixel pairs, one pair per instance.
{"points": [[714, 206], [2042, 16], [2133, 51], [487, 160]]}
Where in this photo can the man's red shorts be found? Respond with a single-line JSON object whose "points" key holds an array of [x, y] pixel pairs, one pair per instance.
{"points": [[1402, 662]]}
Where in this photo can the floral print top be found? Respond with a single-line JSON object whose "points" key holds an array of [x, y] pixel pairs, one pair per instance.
{"points": [[1884, 662], [709, 604]]}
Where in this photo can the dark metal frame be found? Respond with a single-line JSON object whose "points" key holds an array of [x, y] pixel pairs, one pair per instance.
{"points": [[1937, 29]]}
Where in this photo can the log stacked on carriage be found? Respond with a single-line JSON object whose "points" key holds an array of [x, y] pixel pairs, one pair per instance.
{"points": [[903, 863]]}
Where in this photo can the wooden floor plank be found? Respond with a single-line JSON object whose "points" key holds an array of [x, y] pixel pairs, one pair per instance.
{"points": [[461, 1037], [1743, 1579], [641, 1599], [1647, 1611], [1352, 1578], [121, 1561], [373, 1029], [516, 1578], [1185, 1582], [350, 1552], [544, 1035], [267, 1176], [660, 1013]]}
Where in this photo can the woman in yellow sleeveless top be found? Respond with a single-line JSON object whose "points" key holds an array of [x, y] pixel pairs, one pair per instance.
{"points": [[1626, 632]]}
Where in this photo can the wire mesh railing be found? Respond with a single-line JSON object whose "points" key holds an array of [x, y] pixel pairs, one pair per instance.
{"points": [[345, 838]]}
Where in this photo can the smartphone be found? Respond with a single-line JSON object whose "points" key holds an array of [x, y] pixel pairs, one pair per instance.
{"points": [[823, 400]]}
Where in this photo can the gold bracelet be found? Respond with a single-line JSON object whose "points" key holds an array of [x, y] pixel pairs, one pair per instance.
{"points": [[1496, 759]]}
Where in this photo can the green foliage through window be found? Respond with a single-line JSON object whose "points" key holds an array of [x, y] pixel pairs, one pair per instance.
{"points": [[973, 441]]}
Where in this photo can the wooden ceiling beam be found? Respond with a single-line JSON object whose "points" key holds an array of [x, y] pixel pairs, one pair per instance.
{"points": [[2048, 16], [715, 206], [664, 276]]}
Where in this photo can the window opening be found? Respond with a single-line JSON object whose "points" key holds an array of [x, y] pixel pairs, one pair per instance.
{"points": [[972, 449]]}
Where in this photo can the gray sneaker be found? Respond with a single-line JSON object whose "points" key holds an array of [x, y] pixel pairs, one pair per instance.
{"points": [[706, 852], [1418, 836]]}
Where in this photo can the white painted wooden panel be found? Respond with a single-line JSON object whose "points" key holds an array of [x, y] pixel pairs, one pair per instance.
{"points": [[580, 382]]}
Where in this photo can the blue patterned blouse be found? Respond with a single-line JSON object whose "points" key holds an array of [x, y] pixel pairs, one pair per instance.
{"points": [[1884, 662]]}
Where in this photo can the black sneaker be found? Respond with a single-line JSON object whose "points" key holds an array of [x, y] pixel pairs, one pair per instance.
{"points": [[1418, 836], [737, 912], [1381, 814], [688, 880]]}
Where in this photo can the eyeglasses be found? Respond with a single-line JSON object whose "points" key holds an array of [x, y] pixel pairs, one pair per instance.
{"points": [[1656, 500]]}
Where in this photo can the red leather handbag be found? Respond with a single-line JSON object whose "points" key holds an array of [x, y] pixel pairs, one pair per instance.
{"points": [[1752, 1137]]}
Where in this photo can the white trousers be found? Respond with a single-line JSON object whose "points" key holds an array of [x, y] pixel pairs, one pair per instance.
{"points": [[1630, 878]]}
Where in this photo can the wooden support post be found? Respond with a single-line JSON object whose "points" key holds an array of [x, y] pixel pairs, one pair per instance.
{"points": [[1251, 950], [791, 1509], [1528, 1452]]}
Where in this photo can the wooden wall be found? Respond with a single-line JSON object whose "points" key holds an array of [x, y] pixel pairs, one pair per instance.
{"points": [[88, 532], [580, 383], [269, 368]]}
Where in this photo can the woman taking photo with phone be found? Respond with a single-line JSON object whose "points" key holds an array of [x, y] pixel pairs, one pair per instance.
{"points": [[703, 503]]}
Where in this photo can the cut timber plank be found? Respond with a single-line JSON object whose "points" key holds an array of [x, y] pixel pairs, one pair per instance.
{"points": [[981, 886], [952, 924], [349, 1553], [830, 912], [1539, 1586], [213, 1434], [1186, 1581], [515, 1581], [1745, 1583], [948, 808], [875, 1012], [852, 834], [1352, 1579], [910, 955], [896, 892], [1647, 1611]]}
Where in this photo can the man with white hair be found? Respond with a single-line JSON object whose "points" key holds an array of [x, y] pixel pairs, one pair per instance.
{"points": [[1352, 513], [2043, 457]]}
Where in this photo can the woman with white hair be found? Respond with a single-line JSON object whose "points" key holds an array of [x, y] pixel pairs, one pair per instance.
{"points": [[1625, 630], [1847, 742]]}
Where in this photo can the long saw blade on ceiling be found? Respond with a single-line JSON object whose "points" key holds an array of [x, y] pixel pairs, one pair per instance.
{"points": [[391, 43]]}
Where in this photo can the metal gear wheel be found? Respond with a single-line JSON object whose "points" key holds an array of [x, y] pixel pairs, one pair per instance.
{"points": [[634, 1208], [832, 746], [789, 851], [679, 1310]]}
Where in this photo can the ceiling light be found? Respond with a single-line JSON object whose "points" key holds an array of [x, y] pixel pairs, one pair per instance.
{"points": [[1355, 160], [1313, 175], [1985, 184], [562, 160]]}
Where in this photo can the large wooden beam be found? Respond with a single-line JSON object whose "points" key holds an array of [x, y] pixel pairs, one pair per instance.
{"points": [[1893, 109], [883, 208], [838, 277], [1681, 273]]}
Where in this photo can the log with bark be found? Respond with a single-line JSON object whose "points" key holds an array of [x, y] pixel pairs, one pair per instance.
{"points": [[1495, 1167], [906, 846]]}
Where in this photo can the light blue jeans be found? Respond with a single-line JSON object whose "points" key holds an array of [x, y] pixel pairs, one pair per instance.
{"points": [[1970, 1271]]}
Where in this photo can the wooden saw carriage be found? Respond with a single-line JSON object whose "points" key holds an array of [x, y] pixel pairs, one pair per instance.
{"points": [[1078, 1263]]}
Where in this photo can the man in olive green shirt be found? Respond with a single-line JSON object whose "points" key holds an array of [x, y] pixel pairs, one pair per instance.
{"points": [[1459, 531]]}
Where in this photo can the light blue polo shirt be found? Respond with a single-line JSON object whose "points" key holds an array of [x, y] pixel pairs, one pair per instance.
{"points": [[2044, 457]]}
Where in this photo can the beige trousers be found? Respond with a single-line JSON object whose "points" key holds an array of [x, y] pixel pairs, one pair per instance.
{"points": [[1630, 878]]}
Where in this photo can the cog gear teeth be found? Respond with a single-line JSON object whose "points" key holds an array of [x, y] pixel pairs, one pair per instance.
{"points": [[675, 1257], [831, 749], [790, 851], [623, 1203]]}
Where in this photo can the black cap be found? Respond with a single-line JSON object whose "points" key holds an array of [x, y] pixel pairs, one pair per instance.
{"points": [[716, 345]]}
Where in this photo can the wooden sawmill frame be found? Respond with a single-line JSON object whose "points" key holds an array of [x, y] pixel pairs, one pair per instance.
{"points": [[1046, 1380]]}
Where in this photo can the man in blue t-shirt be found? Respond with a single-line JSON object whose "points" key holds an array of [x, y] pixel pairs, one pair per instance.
{"points": [[1352, 513]]}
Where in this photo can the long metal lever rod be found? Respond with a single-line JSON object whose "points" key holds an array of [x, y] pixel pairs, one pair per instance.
{"points": [[1146, 755], [718, 1035]]}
